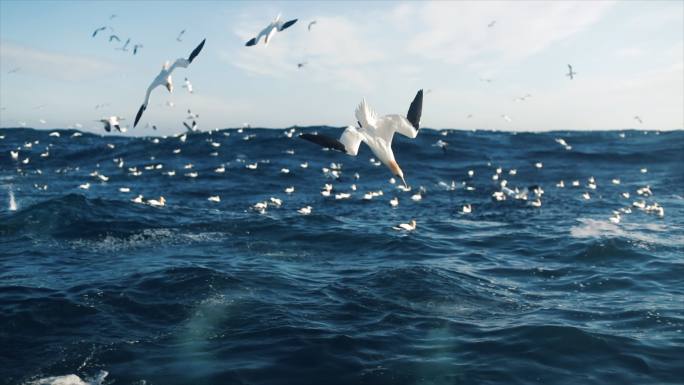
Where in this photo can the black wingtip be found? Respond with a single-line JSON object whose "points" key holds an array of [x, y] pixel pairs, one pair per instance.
{"points": [[324, 141], [251, 42], [416, 110], [196, 51], [139, 115], [288, 24]]}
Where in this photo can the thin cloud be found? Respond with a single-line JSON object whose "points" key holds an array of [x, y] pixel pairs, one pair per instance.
{"points": [[52, 64]]}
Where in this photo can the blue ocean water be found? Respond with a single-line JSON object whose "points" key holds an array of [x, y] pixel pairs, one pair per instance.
{"points": [[201, 292]]}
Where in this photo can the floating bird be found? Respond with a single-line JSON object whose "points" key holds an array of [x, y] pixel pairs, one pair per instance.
{"points": [[136, 47], [164, 77], [311, 23], [112, 121], [406, 226], [180, 35], [571, 74], [394, 202], [98, 30], [214, 198], [276, 25], [376, 132], [161, 202], [305, 210], [442, 144], [467, 208]]}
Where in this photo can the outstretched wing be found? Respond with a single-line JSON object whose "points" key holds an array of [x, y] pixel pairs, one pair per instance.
{"points": [[196, 51], [407, 126], [416, 110], [365, 115], [283, 26], [348, 143]]}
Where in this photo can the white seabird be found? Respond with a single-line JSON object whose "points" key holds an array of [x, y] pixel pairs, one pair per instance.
{"points": [[571, 74], [276, 25], [305, 210], [376, 132], [111, 122], [406, 226], [164, 77]]}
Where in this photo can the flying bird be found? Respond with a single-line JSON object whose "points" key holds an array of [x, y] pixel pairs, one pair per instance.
{"points": [[136, 47], [376, 132], [111, 122], [98, 30], [571, 73], [276, 25], [125, 46], [180, 35], [491, 24], [164, 77], [638, 119], [302, 64], [310, 24], [187, 85], [114, 37], [192, 128]]}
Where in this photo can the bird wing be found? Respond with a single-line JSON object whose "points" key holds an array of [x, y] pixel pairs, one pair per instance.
{"points": [[310, 24], [407, 126], [180, 62], [351, 140], [348, 143], [196, 51], [283, 26], [365, 115]]}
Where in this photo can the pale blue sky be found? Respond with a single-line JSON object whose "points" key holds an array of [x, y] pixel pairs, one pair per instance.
{"points": [[628, 55]]}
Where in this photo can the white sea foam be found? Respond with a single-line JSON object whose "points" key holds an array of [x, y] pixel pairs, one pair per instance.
{"points": [[70, 379]]}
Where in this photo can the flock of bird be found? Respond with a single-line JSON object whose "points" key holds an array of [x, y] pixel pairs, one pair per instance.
{"points": [[375, 131]]}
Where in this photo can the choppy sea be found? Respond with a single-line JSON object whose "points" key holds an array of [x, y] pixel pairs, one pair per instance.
{"points": [[97, 289]]}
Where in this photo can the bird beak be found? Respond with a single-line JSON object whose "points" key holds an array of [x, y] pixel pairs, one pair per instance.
{"points": [[403, 181]]}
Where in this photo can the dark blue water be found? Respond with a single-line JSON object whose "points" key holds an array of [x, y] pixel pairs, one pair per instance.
{"points": [[198, 292]]}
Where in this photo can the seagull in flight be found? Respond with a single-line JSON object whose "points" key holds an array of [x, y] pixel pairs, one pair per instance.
{"points": [[276, 25], [98, 30], [302, 64], [638, 119], [180, 35], [136, 47], [164, 77], [376, 132], [571, 74], [310, 24], [114, 37]]}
